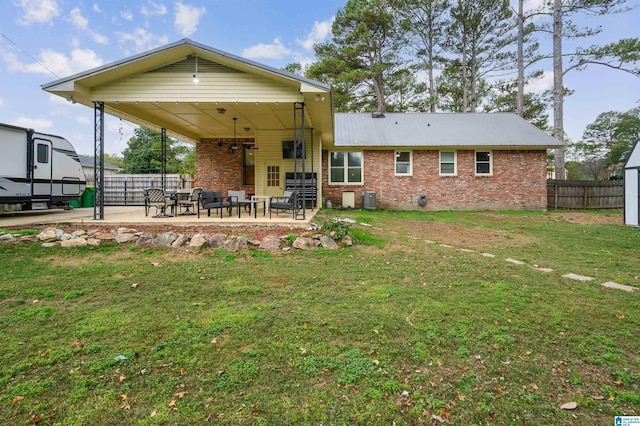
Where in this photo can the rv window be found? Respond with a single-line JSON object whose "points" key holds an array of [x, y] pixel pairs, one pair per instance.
{"points": [[43, 153]]}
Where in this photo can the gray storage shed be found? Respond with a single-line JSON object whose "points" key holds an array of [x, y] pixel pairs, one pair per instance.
{"points": [[632, 187]]}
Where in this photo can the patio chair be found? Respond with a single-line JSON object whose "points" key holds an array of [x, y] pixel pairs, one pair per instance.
{"points": [[157, 198], [284, 203], [239, 198], [189, 199], [213, 200]]}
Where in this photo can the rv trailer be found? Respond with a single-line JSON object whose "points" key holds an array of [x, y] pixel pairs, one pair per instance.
{"points": [[38, 170]]}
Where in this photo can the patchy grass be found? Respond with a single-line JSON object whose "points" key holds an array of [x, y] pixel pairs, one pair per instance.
{"points": [[401, 330]]}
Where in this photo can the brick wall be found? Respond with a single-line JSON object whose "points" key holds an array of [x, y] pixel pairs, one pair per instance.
{"points": [[216, 169], [518, 182]]}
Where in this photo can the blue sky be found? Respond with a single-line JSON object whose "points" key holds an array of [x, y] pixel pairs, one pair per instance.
{"points": [[67, 37]]}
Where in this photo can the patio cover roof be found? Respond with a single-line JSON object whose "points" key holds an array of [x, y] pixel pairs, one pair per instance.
{"points": [[155, 89], [436, 130]]}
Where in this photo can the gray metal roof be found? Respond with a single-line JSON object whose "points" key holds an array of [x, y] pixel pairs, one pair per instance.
{"points": [[87, 161], [434, 130]]}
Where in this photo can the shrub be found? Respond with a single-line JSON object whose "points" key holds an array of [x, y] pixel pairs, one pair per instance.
{"points": [[335, 228]]}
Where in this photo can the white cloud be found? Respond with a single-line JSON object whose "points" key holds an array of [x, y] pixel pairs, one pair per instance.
{"points": [[275, 50], [1, 102], [153, 8], [318, 34], [187, 18], [58, 63], [541, 84], [82, 23], [141, 39], [96, 8], [78, 20], [126, 15], [34, 123], [37, 11]]}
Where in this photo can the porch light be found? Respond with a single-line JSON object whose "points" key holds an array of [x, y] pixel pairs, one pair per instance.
{"points": [[196, 80]]}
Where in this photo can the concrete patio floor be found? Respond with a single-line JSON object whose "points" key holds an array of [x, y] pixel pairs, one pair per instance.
{"points": [[134, 215]]}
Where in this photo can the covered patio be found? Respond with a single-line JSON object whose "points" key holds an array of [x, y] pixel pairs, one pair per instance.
{"points": [[242, 116], [134, 215]]}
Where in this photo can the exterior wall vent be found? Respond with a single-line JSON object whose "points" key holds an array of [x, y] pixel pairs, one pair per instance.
{"points": [[377, 114]]}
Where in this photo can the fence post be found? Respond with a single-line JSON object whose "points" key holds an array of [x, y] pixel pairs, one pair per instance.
{"points": [[584, 202], [555, 195]]}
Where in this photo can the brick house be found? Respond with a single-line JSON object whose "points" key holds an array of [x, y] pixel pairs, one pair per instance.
{"points": [[245, 118]]}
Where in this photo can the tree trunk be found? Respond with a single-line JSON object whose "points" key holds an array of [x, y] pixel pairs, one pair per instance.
{"points": [[520, 98], [558, 88], [432, 86]]}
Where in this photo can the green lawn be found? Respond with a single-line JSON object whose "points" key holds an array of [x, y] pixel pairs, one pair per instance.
{"points": [[399, 330]]}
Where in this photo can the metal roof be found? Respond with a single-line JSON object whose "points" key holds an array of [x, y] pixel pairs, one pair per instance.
{"points": [[434, 130], [87, 161]]}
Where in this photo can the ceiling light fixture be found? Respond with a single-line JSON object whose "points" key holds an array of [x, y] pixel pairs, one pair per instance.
{"points": [[234, 145], [221, 110]]}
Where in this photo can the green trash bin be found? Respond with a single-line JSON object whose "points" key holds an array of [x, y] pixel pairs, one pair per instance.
{"points": [[88, 196], [75, 203]]}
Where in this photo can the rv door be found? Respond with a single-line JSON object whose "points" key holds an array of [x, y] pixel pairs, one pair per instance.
{"points": [[42, 170]]}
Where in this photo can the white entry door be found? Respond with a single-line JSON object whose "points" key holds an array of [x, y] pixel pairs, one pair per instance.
{"points": [[42, 169], [273, 180]]}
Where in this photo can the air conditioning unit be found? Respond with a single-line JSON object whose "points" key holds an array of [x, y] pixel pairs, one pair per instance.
{"points": [[369, 200]]}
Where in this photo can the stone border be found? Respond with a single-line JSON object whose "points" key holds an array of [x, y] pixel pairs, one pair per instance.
{"points": [[50, 237]]}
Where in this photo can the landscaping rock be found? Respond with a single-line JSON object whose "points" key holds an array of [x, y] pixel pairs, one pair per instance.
{"points": [[270, 243], [217, 240], [144, 238], [198, 241], [328, 243], [74, 242], [569, 406], [7, 237], [93, 241], [305, 243], [165, 239], [49, 234], [125, 238], [180, 241], [51, 244]]}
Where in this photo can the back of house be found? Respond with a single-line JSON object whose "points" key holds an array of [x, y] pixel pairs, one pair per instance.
{"points": [[38, 170]]}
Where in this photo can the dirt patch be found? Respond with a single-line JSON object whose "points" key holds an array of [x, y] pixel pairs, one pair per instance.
{"points": [[459, 235], [589, 218]]}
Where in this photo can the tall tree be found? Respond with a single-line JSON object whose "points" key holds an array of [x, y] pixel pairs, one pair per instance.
{"points": [[424, 20], [534, 106], [364, 53], [144, 153], [480, 35], [607, 142], [623, 55]]}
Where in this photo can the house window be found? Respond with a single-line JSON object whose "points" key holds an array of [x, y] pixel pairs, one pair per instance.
{"points": [[448, 163], [403, 163], [273, 176], [43, 153], [484, 164], [248, 165], [345, 167]]}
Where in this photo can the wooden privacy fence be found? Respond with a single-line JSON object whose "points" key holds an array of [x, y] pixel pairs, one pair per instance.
{"points": [[122, 190], [580, 194]]}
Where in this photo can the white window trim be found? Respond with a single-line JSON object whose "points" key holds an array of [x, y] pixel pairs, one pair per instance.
{"points": [[346, 170], [475, 162], [455, 163], [395, 163]]}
